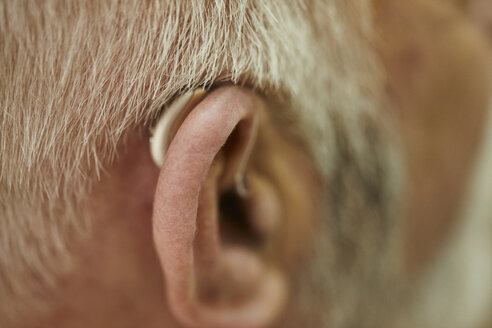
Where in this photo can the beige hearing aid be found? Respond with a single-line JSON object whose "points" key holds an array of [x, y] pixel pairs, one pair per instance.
{"points": [[171, 119]]}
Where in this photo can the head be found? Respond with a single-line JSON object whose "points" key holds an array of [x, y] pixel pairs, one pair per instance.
{"points": [[356, 185]]}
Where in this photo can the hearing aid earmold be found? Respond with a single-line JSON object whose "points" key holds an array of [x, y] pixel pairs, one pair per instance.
{"points": [[173, 116]]}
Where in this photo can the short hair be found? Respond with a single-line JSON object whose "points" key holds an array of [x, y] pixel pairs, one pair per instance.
{"points": [[77, 76]]}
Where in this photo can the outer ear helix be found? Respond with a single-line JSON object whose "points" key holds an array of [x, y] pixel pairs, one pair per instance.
{"points": [[163, 132], [210, 283]]}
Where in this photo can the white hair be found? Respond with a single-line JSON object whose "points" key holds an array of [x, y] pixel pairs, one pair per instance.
{"points": [[77, 76]]}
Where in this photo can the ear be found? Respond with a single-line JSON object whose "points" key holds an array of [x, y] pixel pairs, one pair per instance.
{"points": [[209, 284]]}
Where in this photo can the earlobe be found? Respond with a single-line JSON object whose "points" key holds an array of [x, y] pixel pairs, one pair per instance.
{"points": [[207, 284]]}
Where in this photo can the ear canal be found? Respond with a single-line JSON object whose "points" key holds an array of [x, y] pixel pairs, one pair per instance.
{"points": [[207, 284]]}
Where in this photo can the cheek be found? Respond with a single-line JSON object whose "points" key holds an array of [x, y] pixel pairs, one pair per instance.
{"points": [[438, 76]]}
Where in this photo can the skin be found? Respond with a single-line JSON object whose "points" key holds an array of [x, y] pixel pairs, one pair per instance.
{"points": [[130, 233], [439, 78], [117, 277]]}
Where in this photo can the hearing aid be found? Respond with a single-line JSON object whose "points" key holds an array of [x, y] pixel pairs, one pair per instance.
{"points": [[173, 116]]}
